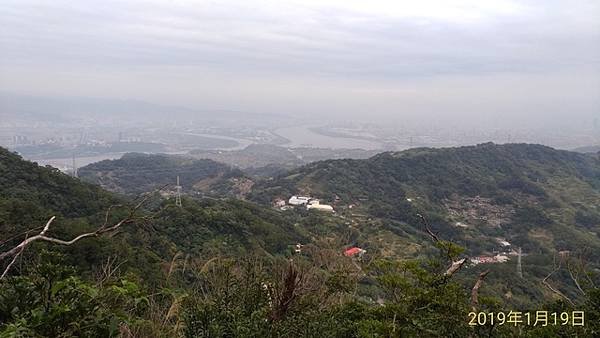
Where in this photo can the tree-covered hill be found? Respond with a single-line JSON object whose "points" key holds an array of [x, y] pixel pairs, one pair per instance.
{"points": [[524, 186], [135, 173], [542, 200], [487, 170], [30, 195]]}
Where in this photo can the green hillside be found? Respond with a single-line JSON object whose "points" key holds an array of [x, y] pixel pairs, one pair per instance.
{"points": [[494, 190], [226, 267], [30, 195], [136, 173], [536, 198]]}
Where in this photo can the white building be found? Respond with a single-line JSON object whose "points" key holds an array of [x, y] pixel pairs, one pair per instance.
{"points": [[489, 259], [314, 204], [298, 200], [278, 203], [503, 242]]}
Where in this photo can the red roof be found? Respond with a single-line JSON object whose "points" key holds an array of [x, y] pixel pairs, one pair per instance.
{"points": [[352, 251]]}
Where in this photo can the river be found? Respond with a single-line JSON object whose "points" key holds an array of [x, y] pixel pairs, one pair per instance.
{"points": [[302, 136]]}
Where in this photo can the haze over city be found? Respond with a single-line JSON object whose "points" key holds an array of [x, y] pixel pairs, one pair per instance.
{"points": [[455, 72]]}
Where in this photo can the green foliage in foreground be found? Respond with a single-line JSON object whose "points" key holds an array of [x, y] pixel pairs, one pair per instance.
{"points": [[257, 297], [52, 301], [255, 292]]}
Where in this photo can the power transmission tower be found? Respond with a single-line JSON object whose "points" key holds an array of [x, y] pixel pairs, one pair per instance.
{"points": [[519, 267], [178, 197], [74, 166]]}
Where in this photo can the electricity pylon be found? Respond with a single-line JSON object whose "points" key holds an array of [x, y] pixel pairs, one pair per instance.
{"points": [[74, 173], [519, 267], [178, 197]]}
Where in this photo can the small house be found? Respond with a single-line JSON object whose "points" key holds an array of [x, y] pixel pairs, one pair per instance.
{"points": [[354, 251]]}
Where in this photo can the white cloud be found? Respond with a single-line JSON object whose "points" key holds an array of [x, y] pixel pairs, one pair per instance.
{"points": [[461, 11]]}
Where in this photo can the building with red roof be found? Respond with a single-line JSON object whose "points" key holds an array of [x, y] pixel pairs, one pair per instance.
{"points": [[351, 252]]}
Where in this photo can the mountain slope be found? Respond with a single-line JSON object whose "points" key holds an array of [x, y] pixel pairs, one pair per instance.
{"points": [[30, 195], [29, 192], [533, 196], [136, 173], [179, 255], [474, 170]]}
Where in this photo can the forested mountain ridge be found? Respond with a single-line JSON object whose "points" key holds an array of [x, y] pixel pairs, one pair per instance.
{"points": [[485, 169], [535, 197], [206, 172], [47, 186], [30, 195], [135, 173]]}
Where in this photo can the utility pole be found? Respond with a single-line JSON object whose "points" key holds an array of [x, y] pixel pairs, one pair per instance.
{"points": [[519, 267], [178, 197]]}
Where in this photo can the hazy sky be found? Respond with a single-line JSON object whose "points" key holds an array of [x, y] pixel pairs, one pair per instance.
{"points": [[496, 59]]}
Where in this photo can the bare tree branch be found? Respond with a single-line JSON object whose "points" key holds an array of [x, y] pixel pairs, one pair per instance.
{"points": [[456, 265], [475, 290], [562, 295], [17, 250], [19, 235], [14, 258], [108, 214], [574, 278], [108, 269], [12, 262], [433, 236]]}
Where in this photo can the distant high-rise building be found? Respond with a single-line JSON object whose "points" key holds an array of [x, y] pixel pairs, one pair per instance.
{"points": [[19, 140]]}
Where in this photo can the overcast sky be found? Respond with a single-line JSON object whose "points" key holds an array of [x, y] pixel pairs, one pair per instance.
{"points": [[369, 59]]}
